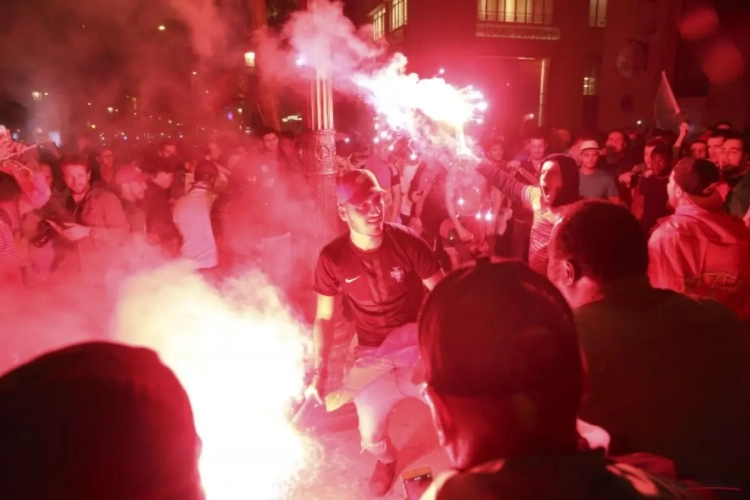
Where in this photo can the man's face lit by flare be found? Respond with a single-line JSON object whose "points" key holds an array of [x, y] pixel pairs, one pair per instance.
{"points": [[133, 191], [47, 173], [550, 181], [365, 219], [496, 152], [589, 159], [559, 270], [714, 149], [647, 156], [168, 150], [76, 178], [616, 143], [732, 159], [537, 148], [288, 147], [271, 143], [699, 150], [214, 151], [107, 160]]}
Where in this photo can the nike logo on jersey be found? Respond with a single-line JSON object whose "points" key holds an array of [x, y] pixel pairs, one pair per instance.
{"points": [[352, 280]]}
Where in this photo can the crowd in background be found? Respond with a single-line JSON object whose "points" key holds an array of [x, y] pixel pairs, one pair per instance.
{"points": [[651, 280]]}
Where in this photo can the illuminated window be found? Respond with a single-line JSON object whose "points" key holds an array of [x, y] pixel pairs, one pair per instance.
{"points": [[597, 13], [378, 22], [398, 14], [591, 77], [516, 11]]}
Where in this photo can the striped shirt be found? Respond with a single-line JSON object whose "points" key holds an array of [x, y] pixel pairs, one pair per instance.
{"points": [[541, 228], [10, 268]]}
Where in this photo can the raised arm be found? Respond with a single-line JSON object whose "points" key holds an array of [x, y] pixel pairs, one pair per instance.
{"points": [[507, 185]]}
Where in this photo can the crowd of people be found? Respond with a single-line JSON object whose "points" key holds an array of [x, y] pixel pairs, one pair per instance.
{"points": [[83, 211], [590, 339]]}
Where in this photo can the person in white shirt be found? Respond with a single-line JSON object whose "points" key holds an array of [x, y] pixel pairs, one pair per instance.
{"points": [[192, 216]]}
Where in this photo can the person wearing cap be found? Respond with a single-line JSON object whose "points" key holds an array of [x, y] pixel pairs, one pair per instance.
{"points": [[94, 421], [382, 270], [595, 183], [504, 379], [192, 217], [700, 250], [558, 188], [130, 182], [668, 374]]}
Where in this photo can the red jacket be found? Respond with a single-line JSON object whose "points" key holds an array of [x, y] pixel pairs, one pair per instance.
{"points": [[704, 254]]}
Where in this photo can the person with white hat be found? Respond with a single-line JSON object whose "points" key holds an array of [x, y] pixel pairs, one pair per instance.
{"points": [[595, 183]]}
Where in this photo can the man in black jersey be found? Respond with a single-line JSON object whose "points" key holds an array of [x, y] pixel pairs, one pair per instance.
{"points": [[383, 270]]}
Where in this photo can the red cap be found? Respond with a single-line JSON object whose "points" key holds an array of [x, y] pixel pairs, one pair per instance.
{"points": [[356, 186]]}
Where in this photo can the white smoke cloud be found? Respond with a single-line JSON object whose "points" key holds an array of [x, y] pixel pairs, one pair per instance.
{"points": [[240, 355], [238, 350], [322, 41]]}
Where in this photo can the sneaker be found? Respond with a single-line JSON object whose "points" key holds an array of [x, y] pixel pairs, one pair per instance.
{"points": [[382, 478]]}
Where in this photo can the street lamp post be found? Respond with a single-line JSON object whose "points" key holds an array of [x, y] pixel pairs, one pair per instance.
{"points": [[321, 150], [321, 173]]}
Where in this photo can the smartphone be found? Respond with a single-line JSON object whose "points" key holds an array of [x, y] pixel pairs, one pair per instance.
{"points": [[416, 482]]}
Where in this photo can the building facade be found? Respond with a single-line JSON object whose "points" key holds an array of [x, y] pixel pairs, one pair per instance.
{"points": [[579, 64]]}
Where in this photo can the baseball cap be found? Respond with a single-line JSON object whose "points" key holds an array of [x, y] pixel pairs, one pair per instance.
{"points": [[128, 173], [496, 328], [696, 177], [97, 420], [590, 145], [356, 186]]}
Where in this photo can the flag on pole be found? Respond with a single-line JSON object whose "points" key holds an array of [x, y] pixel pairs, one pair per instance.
{"points": [[667, 112]]}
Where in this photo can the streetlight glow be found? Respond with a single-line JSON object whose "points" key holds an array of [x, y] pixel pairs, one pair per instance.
{"points": [[162, 27], [250, 59]]}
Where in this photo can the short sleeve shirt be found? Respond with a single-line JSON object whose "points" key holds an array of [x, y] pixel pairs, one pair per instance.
{"points": [[598, 185], [383, 288]]}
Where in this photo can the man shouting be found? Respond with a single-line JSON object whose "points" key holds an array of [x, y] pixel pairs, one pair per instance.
{"points": [[382, 269]]}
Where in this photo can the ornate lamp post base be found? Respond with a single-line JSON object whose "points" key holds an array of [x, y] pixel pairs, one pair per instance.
{"points": [[321, 174]]}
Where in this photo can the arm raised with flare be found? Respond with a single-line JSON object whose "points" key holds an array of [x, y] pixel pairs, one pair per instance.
{"points": [[529, 196]]}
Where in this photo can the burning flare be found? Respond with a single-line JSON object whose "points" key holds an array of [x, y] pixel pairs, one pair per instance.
{"points": [[240, 357]]}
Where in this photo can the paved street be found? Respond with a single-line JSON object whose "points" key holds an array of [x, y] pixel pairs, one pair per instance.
{"points": [[344, 471]]}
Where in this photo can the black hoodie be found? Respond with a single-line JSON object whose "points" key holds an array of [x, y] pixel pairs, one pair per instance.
{"points": [[545, 216]]}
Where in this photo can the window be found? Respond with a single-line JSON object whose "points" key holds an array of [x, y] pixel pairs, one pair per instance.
{"points": [[378, 22], [398, 14], [597, 13], [516, 11], [591, 77]]}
